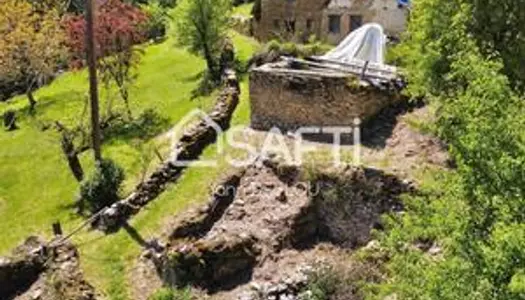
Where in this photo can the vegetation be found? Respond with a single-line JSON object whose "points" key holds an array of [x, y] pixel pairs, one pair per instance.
{"points": [[244, 9], [474, 215], [102, 188], [31, 157], [31, 45], [171, 294], [118, 29], [202, 27], [312, 47], [158, 20]]}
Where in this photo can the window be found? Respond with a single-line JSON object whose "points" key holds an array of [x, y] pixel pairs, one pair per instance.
{"points": [[334, 24], [309, 24], [356, 21], [276, 25], [290, 26]]}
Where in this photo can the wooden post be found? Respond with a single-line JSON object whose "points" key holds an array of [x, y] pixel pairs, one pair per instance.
{"points": [[93, 88], [57, 228]]}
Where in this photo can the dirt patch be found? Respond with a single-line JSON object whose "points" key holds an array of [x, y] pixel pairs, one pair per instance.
{"points": [[393, 142], [275, 222]]}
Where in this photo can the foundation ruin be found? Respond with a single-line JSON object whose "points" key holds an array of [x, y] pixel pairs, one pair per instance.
{"points": [[298, 93], [268, 219]]}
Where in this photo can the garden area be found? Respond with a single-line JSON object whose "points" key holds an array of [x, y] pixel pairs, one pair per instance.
{"points": [[37, 186]]}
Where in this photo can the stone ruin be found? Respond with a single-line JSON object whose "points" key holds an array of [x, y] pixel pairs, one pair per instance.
{"points": [[37, 270], [298, 93], [264, 220]]}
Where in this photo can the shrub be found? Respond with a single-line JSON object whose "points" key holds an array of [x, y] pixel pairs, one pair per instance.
{"points": [[102, 187], [298, 50], [158, 20], [273, 45], [290, 49], [322, 284]]}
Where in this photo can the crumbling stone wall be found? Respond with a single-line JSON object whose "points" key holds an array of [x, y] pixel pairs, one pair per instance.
{"points": [[44, 271], [22, 268], [189, 147], [289, 98]]}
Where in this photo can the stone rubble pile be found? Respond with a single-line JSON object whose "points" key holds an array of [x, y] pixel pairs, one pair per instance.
{"points": [[42, 271]]}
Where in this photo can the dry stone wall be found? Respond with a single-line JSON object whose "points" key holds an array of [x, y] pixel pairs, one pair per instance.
{"points": [[288, 98], [189, 147]]}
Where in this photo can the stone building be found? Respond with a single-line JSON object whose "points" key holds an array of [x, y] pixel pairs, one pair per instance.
{"points": [[288, 98], [329, 20]]}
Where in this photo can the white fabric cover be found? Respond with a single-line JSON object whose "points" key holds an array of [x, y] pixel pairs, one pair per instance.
{"points": [[366, 44]]}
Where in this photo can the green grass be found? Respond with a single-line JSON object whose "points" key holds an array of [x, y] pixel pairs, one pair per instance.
{"points": [[243, 10], [37, 188], [36, 183]]}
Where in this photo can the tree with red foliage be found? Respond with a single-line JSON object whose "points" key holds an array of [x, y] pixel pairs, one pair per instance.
{"points": [[119, 27]]}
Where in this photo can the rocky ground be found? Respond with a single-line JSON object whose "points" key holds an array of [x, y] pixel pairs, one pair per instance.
{"points": [[267, 226], [261, 241]]}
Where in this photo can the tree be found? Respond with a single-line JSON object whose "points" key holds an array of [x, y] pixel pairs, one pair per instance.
{"points": [[476, 215], [201, 26], [31, 44], [118, 28]]}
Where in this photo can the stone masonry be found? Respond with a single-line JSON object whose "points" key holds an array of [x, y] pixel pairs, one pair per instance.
{"points": [[289, 98], [329, 20]]}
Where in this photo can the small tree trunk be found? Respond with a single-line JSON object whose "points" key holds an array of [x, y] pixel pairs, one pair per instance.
{"points": [[211, 64], [10, 120], [68, 147], [32, 101], [125, 97], [75, 166]]}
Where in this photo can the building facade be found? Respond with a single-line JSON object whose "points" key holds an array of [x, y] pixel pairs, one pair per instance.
{"points": [[328, 20]]}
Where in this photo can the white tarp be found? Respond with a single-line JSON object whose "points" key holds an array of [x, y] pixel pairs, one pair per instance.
{"points": [[366, 44]]}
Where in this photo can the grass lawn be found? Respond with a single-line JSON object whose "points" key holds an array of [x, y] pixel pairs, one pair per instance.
{"points": [[37, 188], [36, 183]]}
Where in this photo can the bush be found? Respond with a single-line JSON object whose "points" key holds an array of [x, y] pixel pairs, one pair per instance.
{"points": [[322, 284], [102, 187], [158, 20], [298, 50]]}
